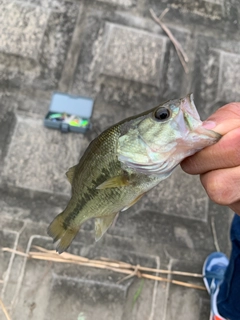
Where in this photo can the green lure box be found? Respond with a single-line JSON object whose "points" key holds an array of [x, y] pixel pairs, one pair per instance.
{"points": [[69, 113]]}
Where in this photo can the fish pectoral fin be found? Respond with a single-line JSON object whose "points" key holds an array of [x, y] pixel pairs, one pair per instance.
{"points": [[115, 182], [133, 202], [70, 173], [102, 225]]}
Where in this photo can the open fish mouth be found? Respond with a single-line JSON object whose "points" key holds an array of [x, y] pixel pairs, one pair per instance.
{"points": [[193, 120], [188, 106]]}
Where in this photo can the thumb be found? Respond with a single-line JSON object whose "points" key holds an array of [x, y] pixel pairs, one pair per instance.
{"points": [[224, 119]]}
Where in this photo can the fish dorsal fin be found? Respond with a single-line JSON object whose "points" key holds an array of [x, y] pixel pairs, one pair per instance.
{"points": [[70, 173], [102, 225], [115, 182]]}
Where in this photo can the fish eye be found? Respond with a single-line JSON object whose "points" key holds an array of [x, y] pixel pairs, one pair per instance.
{"points": [[162, 114]]}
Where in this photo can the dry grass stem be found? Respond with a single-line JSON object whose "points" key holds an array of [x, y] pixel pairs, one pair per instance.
{"points": [[16, 252], [163, 13], [180, 273], [180, 283], [214, 235], [108, 264], [4, 310], [180, 52]]}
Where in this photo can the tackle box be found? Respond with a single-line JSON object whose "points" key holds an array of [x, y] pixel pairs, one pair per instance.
{"points": [[69, 113]]}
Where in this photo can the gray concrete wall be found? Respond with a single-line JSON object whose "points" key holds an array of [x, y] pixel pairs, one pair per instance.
{"points": [[113, 51]]}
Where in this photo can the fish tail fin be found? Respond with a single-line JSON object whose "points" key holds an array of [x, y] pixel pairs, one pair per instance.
{"points": [[60, 230]]}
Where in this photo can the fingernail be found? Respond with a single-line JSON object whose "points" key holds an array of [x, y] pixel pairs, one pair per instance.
{"points": [[209, 124]]}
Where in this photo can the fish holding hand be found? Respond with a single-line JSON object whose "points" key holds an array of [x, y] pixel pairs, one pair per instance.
{"points": [[126, 161]]}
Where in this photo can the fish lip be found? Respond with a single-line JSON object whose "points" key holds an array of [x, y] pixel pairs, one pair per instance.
{"points": [[209, 133], [187, 105]]}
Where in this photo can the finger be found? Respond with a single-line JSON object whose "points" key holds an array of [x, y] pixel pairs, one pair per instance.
{"points": [[224, 154], [223, 185], [224, 119]]}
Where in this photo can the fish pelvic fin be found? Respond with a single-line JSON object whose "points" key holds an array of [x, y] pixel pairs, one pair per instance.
{"points": [[115, 182], [70, 173], [103, 224], [59, 230]]}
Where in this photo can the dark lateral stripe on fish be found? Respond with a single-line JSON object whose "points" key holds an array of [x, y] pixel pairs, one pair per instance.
{"points": [[59, 230], [65, 225], [86, 197], [72, 215], [90, 193]]}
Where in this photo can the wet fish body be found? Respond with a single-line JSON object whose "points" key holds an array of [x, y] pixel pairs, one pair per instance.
{"points": [[126, 161]]}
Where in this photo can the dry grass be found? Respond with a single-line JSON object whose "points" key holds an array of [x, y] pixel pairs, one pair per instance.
{"points": [[214, 232], [108, 264], [2, 306], [179, 49]]}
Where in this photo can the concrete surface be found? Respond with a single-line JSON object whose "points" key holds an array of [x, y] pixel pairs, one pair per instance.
{"points": [[110, 50]]}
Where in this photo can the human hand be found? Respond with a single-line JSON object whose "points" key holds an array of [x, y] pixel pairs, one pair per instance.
{"points": [[219, 164]]}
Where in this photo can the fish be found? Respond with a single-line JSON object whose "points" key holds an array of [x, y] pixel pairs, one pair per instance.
{"points": [[125, 162]]}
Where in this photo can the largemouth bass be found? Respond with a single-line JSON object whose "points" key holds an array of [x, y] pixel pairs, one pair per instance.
{"points": [[126, 161]]}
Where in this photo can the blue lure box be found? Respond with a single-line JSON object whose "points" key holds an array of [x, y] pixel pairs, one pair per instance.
{"points": [[69, 113]]}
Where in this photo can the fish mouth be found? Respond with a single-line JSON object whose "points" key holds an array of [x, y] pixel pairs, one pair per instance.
{"points": [[193, 121], [187, 106], [213, 135]]}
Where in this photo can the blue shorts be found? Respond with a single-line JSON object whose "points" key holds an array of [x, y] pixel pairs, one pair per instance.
{"points": [[228, 300]]}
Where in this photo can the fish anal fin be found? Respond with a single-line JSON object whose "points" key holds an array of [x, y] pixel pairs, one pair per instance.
{"points": [[58, 230], [70, 173], [102, 225], [115, 182], [133, 202]]}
